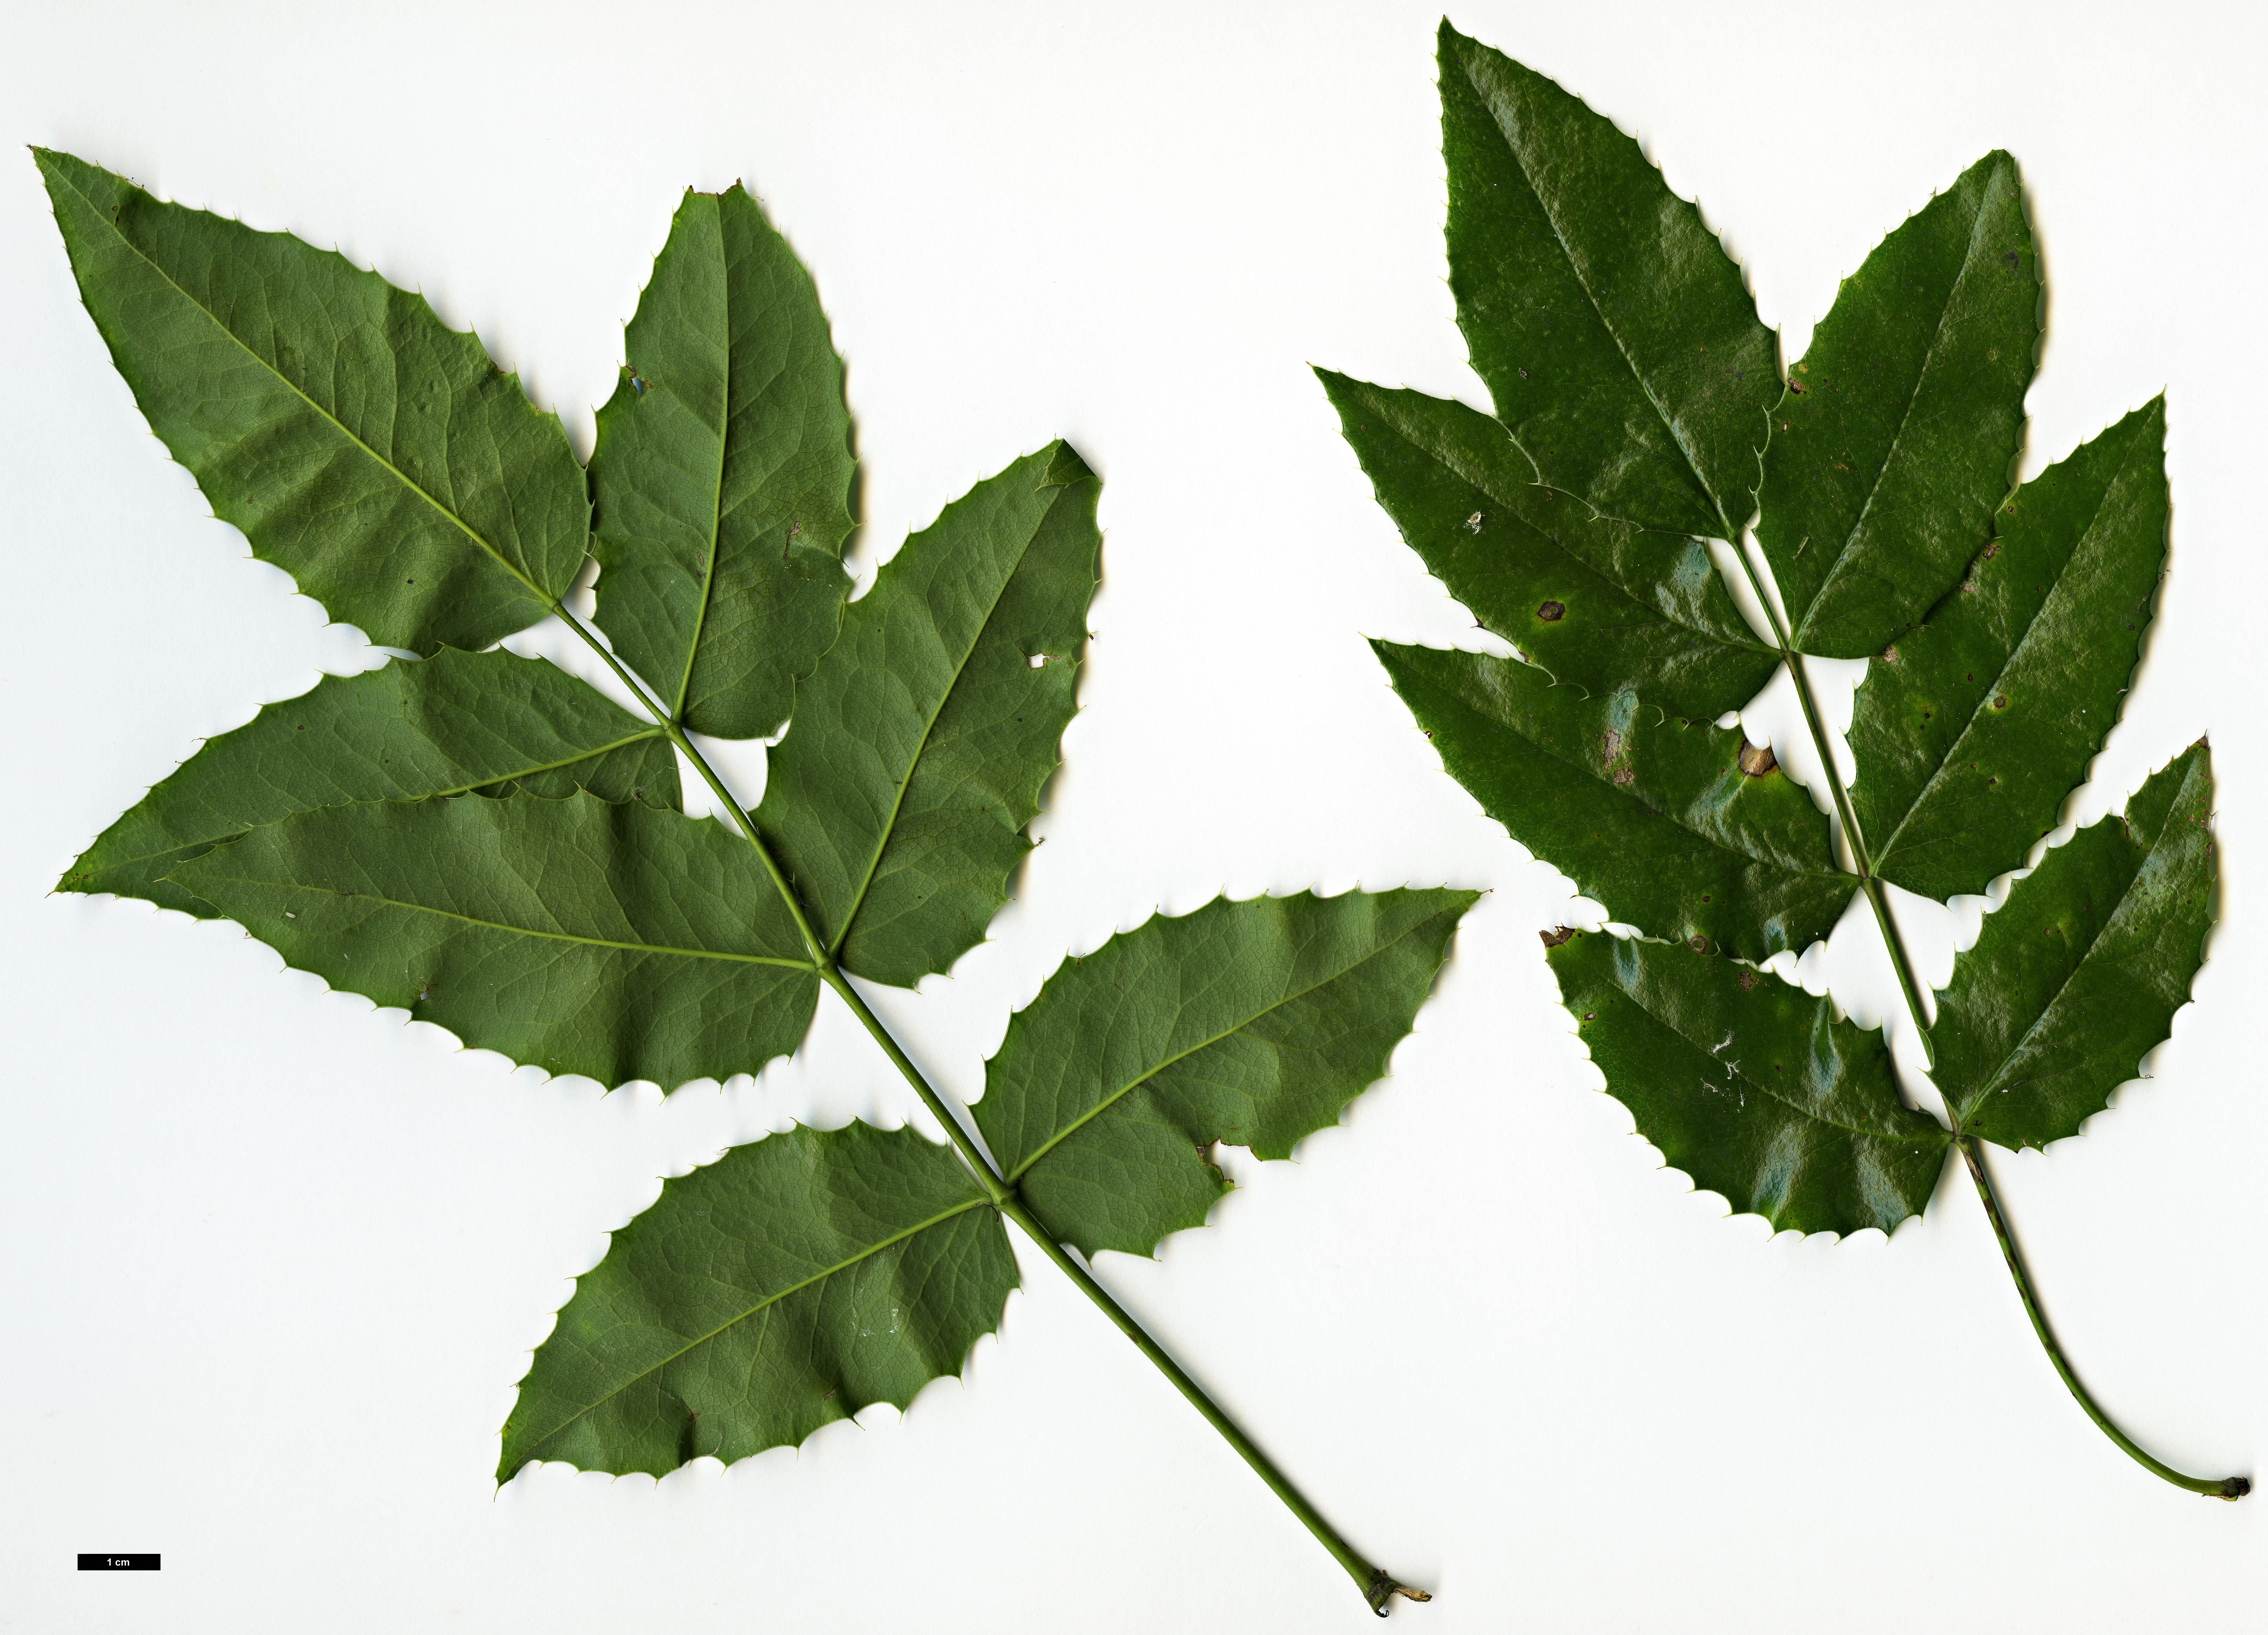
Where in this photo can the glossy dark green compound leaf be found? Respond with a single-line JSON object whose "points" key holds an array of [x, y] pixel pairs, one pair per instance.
{"points": [[453, 722], [372, 452], [1900, 432], [1596, 601], [614, 941], [722, 475], [1619, 343], [786, 1286], [897, 801], [1751, 1087], [1649, 814], [1250, 1023], [1971, 731], [2077, 976]]}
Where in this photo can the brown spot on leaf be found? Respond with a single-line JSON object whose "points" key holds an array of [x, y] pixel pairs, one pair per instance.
{"points": [[1552, 612], [1699, 945], [2001, 703], [1748, 981], [1756, 759]]}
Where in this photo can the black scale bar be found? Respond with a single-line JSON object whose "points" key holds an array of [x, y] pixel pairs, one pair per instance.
{"points": [[118, 1564]]}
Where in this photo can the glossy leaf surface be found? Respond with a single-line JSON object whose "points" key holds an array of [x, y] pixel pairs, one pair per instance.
{"points": [[454, 723], [787, 1285], [1649, 814], [1618, 341], [2077, 976], [1750, 1086], [1972, 731], [1250, 1023], [1899, 435], [372, 452], [898, 800], [722, 474], [1596, 601], [614, 941]]}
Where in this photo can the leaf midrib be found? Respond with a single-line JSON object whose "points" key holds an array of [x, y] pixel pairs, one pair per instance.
{"points": [[920, 746], [716, 495], [522, 931], [1644, 387], [1875, 488], [400, 476], [1138, 1080], [1952, 755], [764, 1304]]}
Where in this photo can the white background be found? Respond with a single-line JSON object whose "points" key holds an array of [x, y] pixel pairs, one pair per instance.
{"points": [[271, 1262]]}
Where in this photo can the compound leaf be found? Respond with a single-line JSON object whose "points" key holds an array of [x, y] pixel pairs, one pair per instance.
{"points": [[1675, 825], [722, 475], [372, 452], [1616, 338], [1750, 1086], [614, 941], [1899, 435], [1595, 600], [2077, 976], [1972, 731], [897, 801], [1251, 1023], [787, 1285], [453, 722]]}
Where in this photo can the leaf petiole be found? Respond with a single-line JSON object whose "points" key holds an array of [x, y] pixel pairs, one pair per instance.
{"points": [[2231, 1488]]}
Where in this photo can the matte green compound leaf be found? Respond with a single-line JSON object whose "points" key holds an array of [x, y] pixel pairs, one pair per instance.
{"points": [[614, 941], [372, 452], [1902, 423], [453, 722], [1751, 1087], [1971, 731], [1619, 343], [1652, 815], [1250, 1023], [722, 475], [2077, 976], [1596, 601], [897, 801], [787, 1285]]}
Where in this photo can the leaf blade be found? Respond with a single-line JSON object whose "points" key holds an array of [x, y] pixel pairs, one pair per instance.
{"points": [[1899, 438], [2077, 976], [1595, 600], [1975, 731], [1751, 1087], [1252, 1023], [897, 803], [722, 475], [375, 456], [1617, 339], [738, 1311], [448, 725], [1663, 825], [614, 941]]}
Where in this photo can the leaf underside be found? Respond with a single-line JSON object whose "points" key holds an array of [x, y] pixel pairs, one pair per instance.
{"points": [[372, 452], [1250, 1023], [722, 475], [614, 941], [898, 800], [789, 1284], [457, 722]]}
